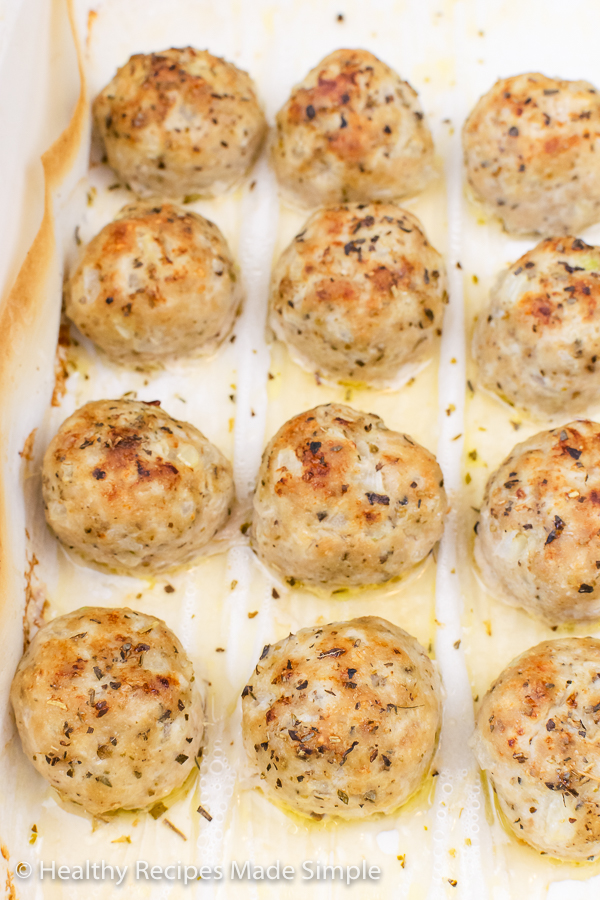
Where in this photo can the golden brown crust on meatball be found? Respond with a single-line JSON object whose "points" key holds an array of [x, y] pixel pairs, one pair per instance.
{"points": [[157, 282], [342, 719], [130, 487], [538, 540], [538, 736], [538, 343], [180, 121], [343, 501], [532, 153], [352, 130], [107, 708], [359, 293]]}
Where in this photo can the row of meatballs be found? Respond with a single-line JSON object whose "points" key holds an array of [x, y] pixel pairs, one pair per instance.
{"points": [[341, 501], [183, 121], [357, 297], [338, 720]]}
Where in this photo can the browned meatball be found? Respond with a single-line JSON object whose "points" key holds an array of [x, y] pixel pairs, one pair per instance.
{"points": [[359, 293], [342, 719], [343, 501], [538, 540], [352, 130], [532, 153], [538, 737], [134, 489], [538, 342], [180, 121], [157, 282], [107, 708]]}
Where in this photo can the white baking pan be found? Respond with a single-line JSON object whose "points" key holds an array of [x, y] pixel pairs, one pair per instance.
{"points": [[447, 841]]}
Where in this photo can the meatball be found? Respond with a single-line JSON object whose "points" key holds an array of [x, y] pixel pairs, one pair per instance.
{"points": [[359, 293], [131, 488], [532, 154], [538, 343], [180, 121], [538, 736], [352, 130], [342, 719], [343, 501], [107, 708], [538, 540], [155, 283]]}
